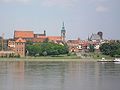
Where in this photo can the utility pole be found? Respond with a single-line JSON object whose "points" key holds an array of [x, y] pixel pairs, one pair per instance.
{"points": [[2, 41]]}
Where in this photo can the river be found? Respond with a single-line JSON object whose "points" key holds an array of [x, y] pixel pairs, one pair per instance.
{"points": [[84, 75]]}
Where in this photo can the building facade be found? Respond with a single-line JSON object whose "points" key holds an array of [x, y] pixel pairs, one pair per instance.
{"points": [[3, 44], [11, 44], [20, 47]]}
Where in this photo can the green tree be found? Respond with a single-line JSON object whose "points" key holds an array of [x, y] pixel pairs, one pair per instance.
{"points": [[29, 43], [47, 47], [44, 53], [91, 48], [111, 49], [33, 50], [105, 48]]}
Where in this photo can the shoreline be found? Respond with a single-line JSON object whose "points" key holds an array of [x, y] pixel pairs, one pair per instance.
{"points": [[48, 59]]}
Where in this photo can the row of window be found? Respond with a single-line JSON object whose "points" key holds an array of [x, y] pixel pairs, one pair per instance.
{"points": [[13, 43], [19, 50]]}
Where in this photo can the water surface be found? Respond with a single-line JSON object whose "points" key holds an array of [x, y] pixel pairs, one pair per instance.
{"points": [[59, 76]]}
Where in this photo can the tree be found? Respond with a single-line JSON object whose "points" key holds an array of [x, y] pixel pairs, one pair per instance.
{"points": [[47, 47], [44, 53], [105, 48], [29, 43], [34, 50], [111, 49], [91, 48]]}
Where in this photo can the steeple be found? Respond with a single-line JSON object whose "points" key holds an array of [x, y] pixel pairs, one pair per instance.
{"points": [[44, 32], [63, 32], [63, 27]]}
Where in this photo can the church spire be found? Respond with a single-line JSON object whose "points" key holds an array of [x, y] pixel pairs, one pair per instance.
{"points": [[63, 32], [63, 27]]}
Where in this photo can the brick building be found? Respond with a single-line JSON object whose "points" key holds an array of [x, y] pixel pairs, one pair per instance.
{"points": [[20, 47], [23, 36]]}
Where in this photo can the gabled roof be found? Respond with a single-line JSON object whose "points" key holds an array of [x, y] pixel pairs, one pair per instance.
{"points": [[23, 34], [20, 40], [54, 38]]}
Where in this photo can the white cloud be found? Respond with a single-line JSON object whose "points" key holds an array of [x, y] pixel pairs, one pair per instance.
{"points": [[102, 8]]}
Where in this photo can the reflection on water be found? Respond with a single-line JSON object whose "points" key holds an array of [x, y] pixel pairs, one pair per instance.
{"points": [[11, 75], [59, 76]]}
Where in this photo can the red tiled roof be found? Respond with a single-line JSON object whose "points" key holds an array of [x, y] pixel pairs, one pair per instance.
{"points": [[38, 39], [20, 40], [54, 38], [42, 37], [23, 34]]}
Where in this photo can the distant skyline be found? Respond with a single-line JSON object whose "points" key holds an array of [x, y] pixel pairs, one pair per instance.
{"points": [[81, 17]]}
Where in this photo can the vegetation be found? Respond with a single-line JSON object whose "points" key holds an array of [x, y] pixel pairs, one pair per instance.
{"points": [[12, 55], [91, 48], [46, 49], [112, 49]]}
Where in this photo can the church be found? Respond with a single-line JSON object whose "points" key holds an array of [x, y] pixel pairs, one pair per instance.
{"points": [[22, 36]]}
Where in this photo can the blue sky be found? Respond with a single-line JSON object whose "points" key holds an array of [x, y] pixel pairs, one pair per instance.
{"points": [[81, 17]]}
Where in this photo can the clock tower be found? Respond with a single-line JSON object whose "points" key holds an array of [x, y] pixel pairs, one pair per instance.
{"points": [[63, 32]]}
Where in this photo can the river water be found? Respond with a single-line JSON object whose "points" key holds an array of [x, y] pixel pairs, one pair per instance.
{"points": [[59, 76]]}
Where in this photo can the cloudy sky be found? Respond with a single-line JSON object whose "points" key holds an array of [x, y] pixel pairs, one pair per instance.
{"points": [[81, 17]]}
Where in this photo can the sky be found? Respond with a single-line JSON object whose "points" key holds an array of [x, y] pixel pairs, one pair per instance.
{"points": [[81, 17]]}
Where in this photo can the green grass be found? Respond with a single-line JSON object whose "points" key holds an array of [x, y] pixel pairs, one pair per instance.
{"points": [[100, 56], [43, 58], [93, 57]]}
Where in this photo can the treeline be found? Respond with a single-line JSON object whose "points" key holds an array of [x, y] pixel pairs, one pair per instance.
{"points": [[46, 48], [112, 49]]}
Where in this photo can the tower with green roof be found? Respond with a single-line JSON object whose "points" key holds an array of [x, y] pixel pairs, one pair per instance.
{"points": [[63, 32]]}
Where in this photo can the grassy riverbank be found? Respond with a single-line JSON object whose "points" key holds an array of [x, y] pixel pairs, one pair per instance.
{"points": [[44, 60], [49, 58], [93, 57]]}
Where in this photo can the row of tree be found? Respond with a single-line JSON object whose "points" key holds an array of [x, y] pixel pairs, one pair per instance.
{"points": [[46, 48], [112, 49]]}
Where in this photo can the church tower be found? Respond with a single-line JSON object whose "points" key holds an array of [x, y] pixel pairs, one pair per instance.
{"points": [[63, 32]]}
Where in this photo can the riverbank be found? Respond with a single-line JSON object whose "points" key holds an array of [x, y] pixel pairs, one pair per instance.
{"points": [[47, 59], [94, 58]]}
